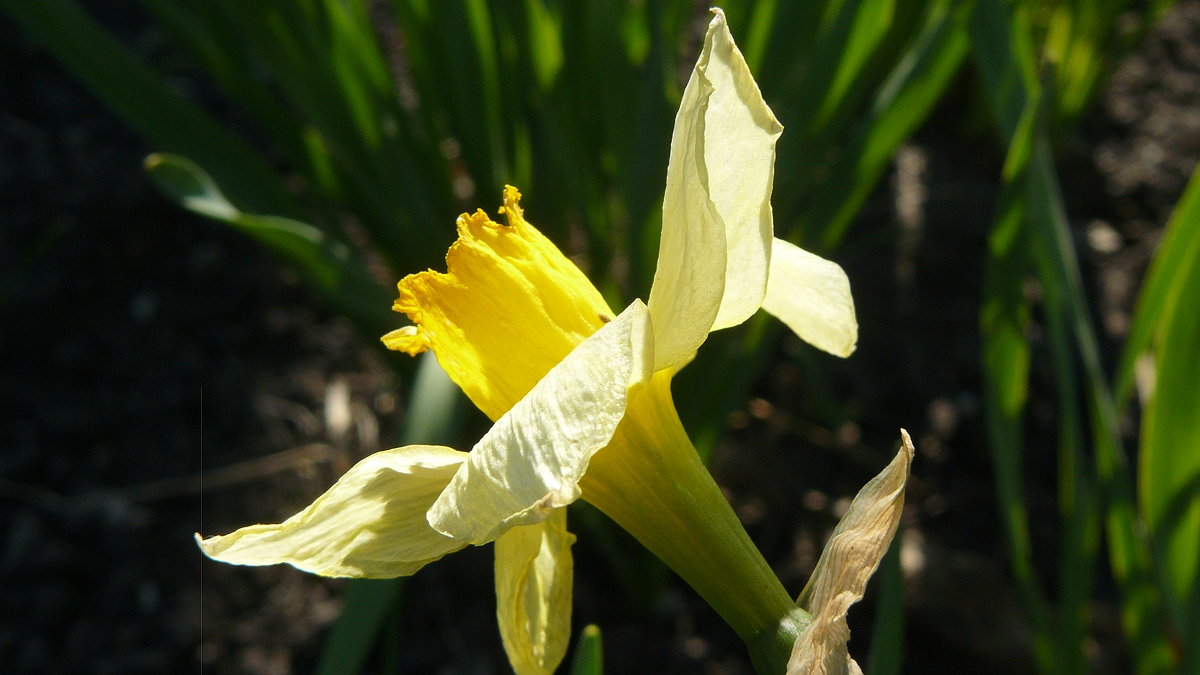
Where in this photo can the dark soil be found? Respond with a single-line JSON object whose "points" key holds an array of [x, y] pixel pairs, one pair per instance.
{"points": [[161, 376]]}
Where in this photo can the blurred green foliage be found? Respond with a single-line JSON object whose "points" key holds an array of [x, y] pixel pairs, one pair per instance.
{"points": [[373, 123]]}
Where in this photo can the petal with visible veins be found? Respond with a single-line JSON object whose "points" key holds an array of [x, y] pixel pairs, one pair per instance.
{"points": [[534, 573], [532, 459], [370, 524]]}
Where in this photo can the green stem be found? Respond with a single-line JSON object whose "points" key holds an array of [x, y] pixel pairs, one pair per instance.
{"points": [[652, 483]]}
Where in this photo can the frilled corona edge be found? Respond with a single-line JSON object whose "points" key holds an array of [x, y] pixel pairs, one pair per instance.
{"points": [[508, 308]]}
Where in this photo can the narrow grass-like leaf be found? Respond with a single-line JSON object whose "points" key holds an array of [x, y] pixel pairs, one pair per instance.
{"points": [[1081, 40], [207, 32], [1169, 475], [329, 266], [1143, 612], [1077, 502], [886, 656], [1006, 58], [589, 652], [903, 102], [1128, 551], [140, 97], [447, 43], [1168, 323], [367, 604], [867, 28], [1004, 318], [545, 43], [1175, 254], [1005, 54]]}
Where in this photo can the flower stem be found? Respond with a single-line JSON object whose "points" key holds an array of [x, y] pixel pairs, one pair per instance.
{"points": [[652, 483]]}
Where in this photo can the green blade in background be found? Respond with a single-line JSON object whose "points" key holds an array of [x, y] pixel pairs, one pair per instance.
{"points": [[1143, 612], [1083, 41], [866, 28], [207, 33], [1003, 52], [1168, 321], [1175, 253], [140, 97], [589, 652], [886, 656], [434, 406], [328, 266], [1169, 466], [368, 603], [903, 102], [1009, 67], [326, 65], [1006, 356], [1003, 48], [1078, 507]]}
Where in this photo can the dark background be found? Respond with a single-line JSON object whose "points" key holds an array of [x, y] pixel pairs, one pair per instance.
{"points": [[160, 375]]}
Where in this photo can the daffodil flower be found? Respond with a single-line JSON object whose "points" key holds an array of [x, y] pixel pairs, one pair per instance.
{"points": [[581, 395]]}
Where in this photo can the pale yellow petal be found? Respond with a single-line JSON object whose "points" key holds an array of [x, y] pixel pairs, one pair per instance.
{"points": [[811, 295], [848, 561], [689, 280], [532, 459], [370, 524], [715, 250], [534, 577], [739, 151]]}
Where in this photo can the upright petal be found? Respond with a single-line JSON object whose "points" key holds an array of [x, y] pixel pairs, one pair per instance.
{"points": [[812, 296], [508, 308], [370, 524], [715, 248], [532, 459], [848, 561], [689, 279], [739, 150], [534, 576]]}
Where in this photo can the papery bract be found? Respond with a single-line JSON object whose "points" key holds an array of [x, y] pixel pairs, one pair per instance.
{"points": [[851, 556]]}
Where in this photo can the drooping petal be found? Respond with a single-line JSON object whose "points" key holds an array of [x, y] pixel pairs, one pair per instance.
{"points": [[848, 561], [811, 295], [508, 308], [370, 524], [715, 248], [534, 576], [532, 459]]}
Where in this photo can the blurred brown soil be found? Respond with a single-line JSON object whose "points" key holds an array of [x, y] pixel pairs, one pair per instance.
{"points": [[160, 376]]}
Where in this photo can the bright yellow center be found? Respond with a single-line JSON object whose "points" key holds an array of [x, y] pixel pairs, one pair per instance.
{"points": [[509, 307]]}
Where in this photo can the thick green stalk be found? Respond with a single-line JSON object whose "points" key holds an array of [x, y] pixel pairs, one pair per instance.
{"points": [[652, 483]]}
